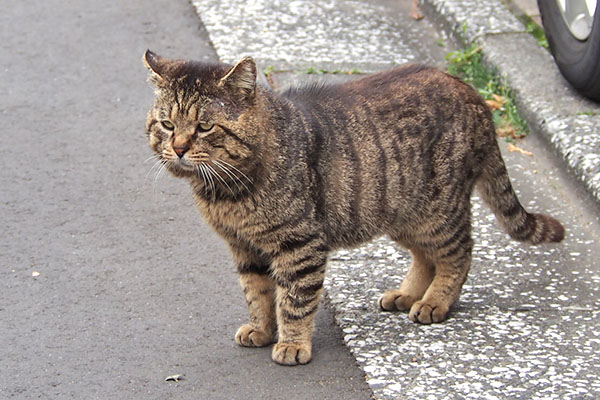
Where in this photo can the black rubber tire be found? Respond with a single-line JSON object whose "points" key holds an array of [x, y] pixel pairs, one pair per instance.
{"points": [[578, 61]]}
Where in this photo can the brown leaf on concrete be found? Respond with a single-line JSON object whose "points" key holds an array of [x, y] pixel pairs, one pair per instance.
{"points": [[506, 131], [512, 148], [499, 98], [174, 378], [493, 104], [415, 13]]}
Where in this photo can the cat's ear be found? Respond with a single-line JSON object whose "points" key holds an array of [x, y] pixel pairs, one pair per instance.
{"points": [[156, 66], [241, 78]]}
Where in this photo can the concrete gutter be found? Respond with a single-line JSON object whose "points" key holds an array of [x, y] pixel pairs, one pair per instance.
{"points": [[570, 123]]}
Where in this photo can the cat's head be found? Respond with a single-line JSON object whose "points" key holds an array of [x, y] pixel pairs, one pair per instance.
{"points": [[204, 122]]}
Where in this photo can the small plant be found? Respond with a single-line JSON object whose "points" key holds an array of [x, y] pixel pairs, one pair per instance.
{"points": [[538, 33], [468, 65], [589, 113], [535, 30], [269, 70]]}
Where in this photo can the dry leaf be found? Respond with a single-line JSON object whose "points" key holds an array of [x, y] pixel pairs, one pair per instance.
{"points": [[174, 378], [512, 148], [507, 131], [499, 98], [493, 104], [415, 13]]}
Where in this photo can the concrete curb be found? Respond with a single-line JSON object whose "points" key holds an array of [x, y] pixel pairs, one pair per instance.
{"points": [[553, 110]]}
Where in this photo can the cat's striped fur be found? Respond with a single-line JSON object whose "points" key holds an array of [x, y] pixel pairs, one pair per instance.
{"points": [[285, 179]]}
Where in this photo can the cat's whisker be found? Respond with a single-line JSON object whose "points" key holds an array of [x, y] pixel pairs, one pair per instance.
{"points": [[237, 170], [152, 157], [220, 178], [160, 171], [155, 167], [209, 178], [230, 174], [203, 177], [214, 185]]}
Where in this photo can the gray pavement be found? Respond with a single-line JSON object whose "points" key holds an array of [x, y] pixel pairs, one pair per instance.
{"points": [[527, 323], [110, 282]]}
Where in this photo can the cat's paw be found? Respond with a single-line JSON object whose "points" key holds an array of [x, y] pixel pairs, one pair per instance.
{"points": [[292, 353], [427, 312], [395, 300], [250, 336]]}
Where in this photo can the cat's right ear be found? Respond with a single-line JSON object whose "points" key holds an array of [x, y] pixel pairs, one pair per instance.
{"points": [[241, 78], [156, 66]]}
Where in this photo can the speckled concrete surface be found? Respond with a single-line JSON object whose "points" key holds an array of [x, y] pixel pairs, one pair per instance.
{"points": [[301, 33], [526, 326], [474, 18]]}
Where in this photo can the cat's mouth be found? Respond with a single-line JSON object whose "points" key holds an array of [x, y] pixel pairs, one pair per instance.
{"points": [[184, 164], [178, 165]]}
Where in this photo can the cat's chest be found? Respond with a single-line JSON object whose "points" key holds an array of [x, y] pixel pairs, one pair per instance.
{"points": [[235, 220]]}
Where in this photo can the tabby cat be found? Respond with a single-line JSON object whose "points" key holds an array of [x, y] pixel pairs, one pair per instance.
{"points": [[285, 179]]}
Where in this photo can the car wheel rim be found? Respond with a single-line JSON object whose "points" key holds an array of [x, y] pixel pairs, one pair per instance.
{"points": [[578, 16]]}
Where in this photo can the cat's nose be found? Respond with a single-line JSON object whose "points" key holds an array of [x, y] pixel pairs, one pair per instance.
{"points": [[181, 150]]}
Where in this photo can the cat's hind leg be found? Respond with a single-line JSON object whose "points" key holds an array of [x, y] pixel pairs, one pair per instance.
{"points": [[419, 277], [452, 261]]}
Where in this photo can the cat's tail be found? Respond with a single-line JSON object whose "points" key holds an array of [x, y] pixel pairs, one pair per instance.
{"points": [[497, 192]]}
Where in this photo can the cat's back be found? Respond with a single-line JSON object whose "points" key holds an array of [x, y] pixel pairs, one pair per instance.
{"points": [[409, 103], [411, 83]]}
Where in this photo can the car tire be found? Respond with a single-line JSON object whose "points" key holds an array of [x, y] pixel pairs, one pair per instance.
{"points": [[578, 60]]}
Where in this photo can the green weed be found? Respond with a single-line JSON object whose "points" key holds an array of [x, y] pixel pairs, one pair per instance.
{"points": [[269, 70], [468, 65], [538, 33], [534, 29]]}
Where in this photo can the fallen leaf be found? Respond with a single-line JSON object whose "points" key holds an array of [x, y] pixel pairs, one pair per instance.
{"points": [[415, 13], [512, 148], [507, 131], [174, 378], [493, 104], [499, 98]]}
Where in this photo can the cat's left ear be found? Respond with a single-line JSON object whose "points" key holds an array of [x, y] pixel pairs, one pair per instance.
{"points": [[156, 66], [241, 78]]}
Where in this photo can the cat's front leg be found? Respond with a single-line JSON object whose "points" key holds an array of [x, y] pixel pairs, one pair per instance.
{"points": [[299, 271], [259, 291]]}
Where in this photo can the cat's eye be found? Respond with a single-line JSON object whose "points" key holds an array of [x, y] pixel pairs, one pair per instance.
{"points": [[168, 125], [204, 126]]}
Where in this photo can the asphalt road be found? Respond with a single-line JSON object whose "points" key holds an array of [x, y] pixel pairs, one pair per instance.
{"points": [[132, 285]]}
